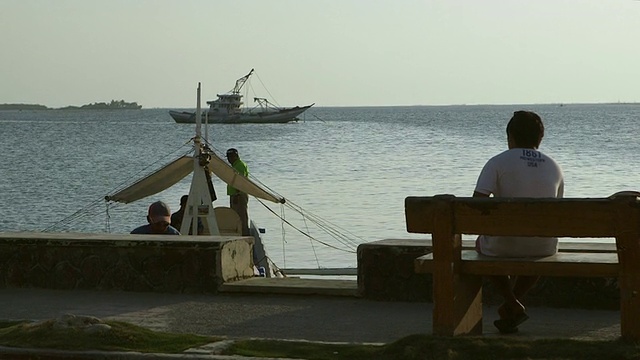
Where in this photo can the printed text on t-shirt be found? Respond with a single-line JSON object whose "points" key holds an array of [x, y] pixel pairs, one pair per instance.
{"points": [[532, 157]]}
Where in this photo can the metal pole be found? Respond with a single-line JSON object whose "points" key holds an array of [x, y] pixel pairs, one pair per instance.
{"points": [[198, 116]]}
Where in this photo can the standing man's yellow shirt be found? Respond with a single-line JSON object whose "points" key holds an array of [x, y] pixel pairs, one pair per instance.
{"points": [[242, 169]]}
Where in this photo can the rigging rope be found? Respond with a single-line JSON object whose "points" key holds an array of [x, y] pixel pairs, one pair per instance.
{"points": [[329, 227], [91, 210], [267, 90], [317, 117], [107, 224], [137, 176], [341, 235], [284, 239], [302, 232], [304, 218]]}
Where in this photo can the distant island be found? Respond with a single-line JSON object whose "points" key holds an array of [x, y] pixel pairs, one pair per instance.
{"points": [[23, 107], [113, 105]]}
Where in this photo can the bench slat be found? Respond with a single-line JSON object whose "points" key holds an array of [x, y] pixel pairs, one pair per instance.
{"points": [[561, 264], [568, 218], [563, 246], [586, 247], [562, 217]]}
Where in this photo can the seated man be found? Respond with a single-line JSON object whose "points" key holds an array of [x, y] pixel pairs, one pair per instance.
{"points": [[159, 218], [521, 171]]}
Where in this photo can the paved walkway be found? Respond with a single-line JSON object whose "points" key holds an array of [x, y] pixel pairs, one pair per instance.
{"points": [[315, 318]]}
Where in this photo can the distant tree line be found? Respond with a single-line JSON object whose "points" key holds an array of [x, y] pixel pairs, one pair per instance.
{"points": [[22, 107], [113, 105]]}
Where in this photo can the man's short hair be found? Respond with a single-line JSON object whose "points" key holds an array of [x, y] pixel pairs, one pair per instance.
{"points": [[526, 129], [232, 151]]}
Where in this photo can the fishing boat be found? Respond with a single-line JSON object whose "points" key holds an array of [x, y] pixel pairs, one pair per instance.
{"points": [[228, 109]]}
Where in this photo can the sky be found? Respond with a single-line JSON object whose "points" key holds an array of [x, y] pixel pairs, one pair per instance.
{"points": [[330, 52]]}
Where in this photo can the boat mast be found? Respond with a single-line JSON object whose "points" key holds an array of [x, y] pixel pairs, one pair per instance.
{"points": [[198, 114], [201, 194]]}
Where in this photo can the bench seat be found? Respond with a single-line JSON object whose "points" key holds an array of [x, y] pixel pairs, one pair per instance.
{"points": [[569, 264]]}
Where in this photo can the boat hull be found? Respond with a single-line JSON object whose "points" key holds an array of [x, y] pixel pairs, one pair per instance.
{"points": [[272, 117]]}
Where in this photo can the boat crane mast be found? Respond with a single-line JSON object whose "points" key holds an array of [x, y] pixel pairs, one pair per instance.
{"points": [[240, 83], [201, 194]]}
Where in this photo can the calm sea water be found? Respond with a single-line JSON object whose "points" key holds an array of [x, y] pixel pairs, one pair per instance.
{"points": [[348, 168]]}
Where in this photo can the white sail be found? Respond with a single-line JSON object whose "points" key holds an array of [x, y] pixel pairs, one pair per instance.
{"points": [[180, 168], [226, 173], [156, 182]]}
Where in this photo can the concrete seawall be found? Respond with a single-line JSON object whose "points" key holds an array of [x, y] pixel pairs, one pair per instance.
{"points": [[157, 263], [385, 272], [212, 264]]}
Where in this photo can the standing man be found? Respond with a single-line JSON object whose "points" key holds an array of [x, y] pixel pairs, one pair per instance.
{"points": [[521, 171], [239, 201]]}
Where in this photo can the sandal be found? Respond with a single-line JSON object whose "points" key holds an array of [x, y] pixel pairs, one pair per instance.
{"points": [[510, 325], [508, 322]]}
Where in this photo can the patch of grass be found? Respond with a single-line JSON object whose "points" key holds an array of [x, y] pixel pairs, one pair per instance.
{"points": [[121, 337], [6, 323], [482, 348], [303, 350], [128, 337], [426, 347]]}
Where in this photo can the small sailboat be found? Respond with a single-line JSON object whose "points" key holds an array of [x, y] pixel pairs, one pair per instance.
{"points": [[203, 163]]}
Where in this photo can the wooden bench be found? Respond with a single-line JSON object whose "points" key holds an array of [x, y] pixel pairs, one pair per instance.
{"points": [[457, 272]]}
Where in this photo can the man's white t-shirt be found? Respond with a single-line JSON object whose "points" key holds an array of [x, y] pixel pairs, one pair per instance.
{"points": [[520, 172]]}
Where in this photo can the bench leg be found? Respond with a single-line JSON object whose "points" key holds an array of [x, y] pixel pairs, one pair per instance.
{"points": [[457, 308], [628, 245], [457, 298], [629, 282], [630, 307]]}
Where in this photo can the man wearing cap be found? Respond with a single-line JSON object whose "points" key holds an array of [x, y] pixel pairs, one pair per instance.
{"points": [[159, 218], [239, 201]]}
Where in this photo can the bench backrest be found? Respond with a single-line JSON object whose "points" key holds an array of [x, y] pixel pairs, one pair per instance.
{"points": [[566, 217]]}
